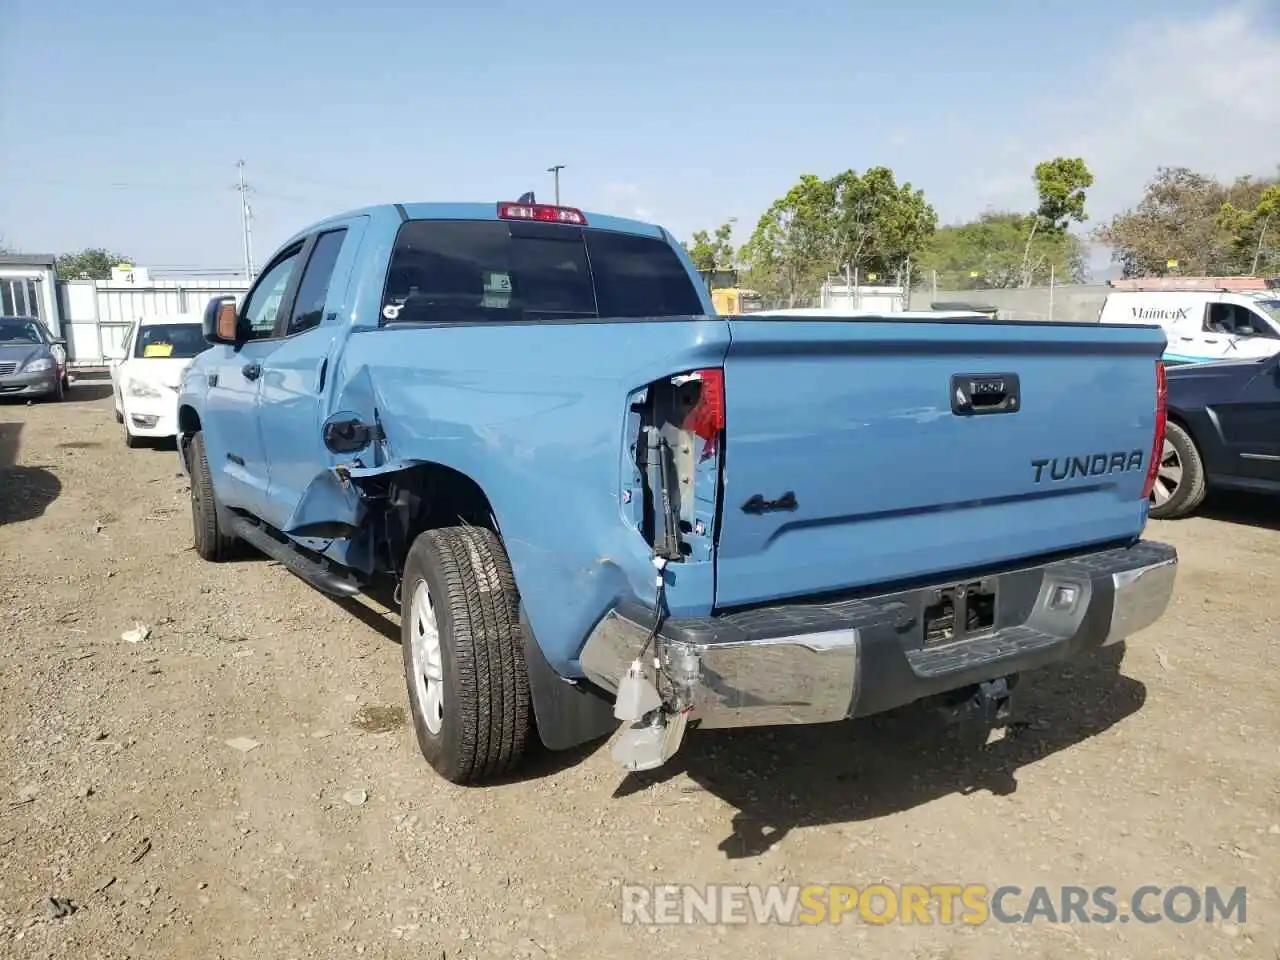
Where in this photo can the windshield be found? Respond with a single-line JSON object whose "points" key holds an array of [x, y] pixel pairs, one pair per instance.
{"points": [[1272, 309], [178, 341], [20, 331], [468, 271]]}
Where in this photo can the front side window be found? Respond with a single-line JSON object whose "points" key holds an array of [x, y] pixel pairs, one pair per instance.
{"points": [[1272, 310], [468, 271], [178, 341], [1236, 320], [258, 321]]}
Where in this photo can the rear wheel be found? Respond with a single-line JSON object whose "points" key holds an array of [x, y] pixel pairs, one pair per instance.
{"points": [[210, 542], [464, 654], [1180, 481]]}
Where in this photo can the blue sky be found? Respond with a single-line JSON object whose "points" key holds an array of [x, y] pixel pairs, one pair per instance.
{"points": [[120, 122]]}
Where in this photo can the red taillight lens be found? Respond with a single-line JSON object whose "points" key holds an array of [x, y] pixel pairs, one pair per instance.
{"points": [[1157, 444], [542, 212], [706, 419]]}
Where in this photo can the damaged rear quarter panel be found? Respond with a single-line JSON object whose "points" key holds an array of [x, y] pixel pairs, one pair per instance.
{"points": [[536, 415]]}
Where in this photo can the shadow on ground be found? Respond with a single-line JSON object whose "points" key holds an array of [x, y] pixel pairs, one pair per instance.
{"points": [[387, 624], [25, 492], [538, 762], [10, 441], [783, 778], [88, 391], [1248, 509]]}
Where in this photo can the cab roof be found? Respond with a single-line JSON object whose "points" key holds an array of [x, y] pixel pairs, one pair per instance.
{"points": [[470, 211]]}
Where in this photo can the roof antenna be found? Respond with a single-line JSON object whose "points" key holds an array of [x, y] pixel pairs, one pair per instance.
{"points": [[527, 198]]}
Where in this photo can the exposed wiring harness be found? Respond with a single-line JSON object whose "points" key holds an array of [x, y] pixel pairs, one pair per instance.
{"points": [[659, 604], [658, 616]]}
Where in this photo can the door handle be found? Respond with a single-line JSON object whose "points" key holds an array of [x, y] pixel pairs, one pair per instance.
{"points": [[252, 371]]}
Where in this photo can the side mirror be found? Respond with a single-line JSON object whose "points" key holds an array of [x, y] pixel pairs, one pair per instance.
{"points": [[221, 321]]}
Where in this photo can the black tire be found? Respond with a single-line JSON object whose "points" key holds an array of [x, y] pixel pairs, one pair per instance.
{"points": [[210, 542], [486, 717], [130, 441], [119, 417], [1191, 488]]}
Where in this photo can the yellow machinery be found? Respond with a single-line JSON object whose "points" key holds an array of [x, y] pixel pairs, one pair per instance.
{"points": [[729, 299]]}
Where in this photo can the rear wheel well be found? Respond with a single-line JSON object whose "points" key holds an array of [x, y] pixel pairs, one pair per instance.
{"points": [[430, 496], [188, 419], [1173, 416]]}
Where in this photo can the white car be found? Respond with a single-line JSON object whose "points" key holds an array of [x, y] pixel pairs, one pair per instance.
{"points": [[146, 374]]}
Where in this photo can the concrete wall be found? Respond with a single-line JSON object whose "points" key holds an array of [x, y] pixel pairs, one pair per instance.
{"points": [[1080, 302]]}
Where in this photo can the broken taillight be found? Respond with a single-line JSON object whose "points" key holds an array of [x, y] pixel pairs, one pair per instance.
{"points": [[706, 418], [1157, 444]]}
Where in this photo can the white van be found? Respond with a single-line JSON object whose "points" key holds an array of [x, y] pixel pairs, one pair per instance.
{"points": [[1203, 325]]}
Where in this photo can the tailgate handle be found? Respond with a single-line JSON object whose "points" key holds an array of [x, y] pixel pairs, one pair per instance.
{"points": [[974, 395]]}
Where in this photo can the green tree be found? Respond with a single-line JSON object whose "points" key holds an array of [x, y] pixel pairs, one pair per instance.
{"points": [[1255, 233], [792, 241], [1060, 185], [992, 252], [856, 222], [92, 263], [712, 252], [1206, 227], [875, 225], [1060, 188]]}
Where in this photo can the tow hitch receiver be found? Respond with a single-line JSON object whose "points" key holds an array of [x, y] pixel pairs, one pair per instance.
{"points": [[990, 701]]}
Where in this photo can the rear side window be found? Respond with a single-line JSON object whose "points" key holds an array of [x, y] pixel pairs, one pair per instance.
{"points": [[469, 271], [639, 277], [313, 290]]}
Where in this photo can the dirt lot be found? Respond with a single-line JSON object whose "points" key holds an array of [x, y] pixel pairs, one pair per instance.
{"points": [[1159, 764]]}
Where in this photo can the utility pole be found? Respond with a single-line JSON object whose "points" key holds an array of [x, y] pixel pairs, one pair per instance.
{"points": [[246, 216], [555, 172]]}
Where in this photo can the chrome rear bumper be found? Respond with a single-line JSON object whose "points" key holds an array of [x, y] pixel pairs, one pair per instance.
{"points": [[816, 663]]}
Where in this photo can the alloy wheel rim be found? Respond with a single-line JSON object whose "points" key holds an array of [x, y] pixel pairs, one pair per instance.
{"points": [[425, 657], [1168, 475]]}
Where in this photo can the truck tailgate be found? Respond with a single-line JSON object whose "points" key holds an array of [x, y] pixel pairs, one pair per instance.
{"points": [[846, 464]]}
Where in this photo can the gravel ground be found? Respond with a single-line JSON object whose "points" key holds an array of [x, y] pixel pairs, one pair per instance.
{"points": [[1157, 763]]}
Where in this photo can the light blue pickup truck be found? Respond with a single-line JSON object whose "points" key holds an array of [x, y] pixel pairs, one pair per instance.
{"points": [[600, 505]]}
